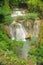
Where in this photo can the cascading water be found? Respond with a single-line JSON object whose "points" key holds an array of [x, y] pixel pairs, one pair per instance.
{"points": [[18, 12], [20, 35], [19, 31]]}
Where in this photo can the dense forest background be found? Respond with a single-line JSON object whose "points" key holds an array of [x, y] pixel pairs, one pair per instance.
{"points": [[9, 49]]}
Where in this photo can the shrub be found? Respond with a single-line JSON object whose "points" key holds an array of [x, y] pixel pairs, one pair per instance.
{"points": [[31, 16], [8, 19]]}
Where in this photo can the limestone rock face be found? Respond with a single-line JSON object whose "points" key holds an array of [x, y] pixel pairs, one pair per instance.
{"points": [[6, 29], [28, 25]]}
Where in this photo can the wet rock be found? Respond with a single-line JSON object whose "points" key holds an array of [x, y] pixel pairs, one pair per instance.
{"points": [[28, 36], [6, 29]]}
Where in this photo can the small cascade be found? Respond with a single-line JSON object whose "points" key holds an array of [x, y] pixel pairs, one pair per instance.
{"points": [[18, 32], [18, 12]]}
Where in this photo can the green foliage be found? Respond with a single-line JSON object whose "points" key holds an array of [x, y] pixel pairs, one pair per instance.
{"points": [[9, 49], [16, 2], [13, 2], [33, 58], [5, 11], [27, 17], [31, 16], [36, 53], [35, 6], [8, 19], [18, 18]]}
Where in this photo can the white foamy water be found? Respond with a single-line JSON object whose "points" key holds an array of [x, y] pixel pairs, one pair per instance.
{"points": [[19, 30], [17, 13]]}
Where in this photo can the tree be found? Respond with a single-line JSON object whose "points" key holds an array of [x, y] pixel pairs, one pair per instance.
{"points": [[5, 10]]}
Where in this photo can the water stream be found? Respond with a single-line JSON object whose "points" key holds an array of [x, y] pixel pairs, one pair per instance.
{"points": [[18, 32]]}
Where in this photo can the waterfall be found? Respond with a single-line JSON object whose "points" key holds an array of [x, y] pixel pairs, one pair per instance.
{"points": [[18, 12], [18, 32]]}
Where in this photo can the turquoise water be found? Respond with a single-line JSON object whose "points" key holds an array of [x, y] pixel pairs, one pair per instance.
{"points": [[26, 47]]}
